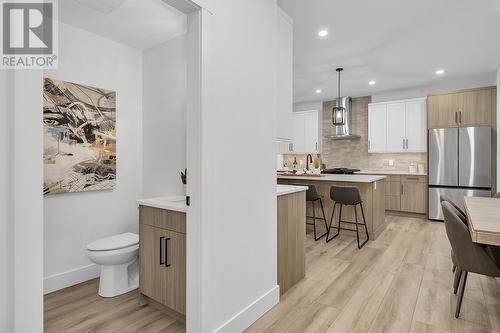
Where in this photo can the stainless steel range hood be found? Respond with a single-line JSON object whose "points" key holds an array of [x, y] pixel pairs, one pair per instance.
{"points": [[344, 132]]}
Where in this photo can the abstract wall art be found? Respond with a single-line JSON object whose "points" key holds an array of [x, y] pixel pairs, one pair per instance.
{"points": [[79, 137]]}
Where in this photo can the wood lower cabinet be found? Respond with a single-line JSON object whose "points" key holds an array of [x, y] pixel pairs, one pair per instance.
{"points": [[406, 194], [393, 193], [413, 194], [162, 255]]}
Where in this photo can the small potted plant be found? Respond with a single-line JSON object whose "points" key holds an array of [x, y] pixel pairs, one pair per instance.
{"points": [[184, 179]]}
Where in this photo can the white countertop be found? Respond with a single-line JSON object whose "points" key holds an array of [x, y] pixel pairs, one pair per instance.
{"points": [[339, 178], [289, 189], [390, 172], [175, 203]]}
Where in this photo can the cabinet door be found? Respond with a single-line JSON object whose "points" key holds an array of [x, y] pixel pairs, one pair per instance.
{"points": [[163, 266], [149, 256], [413, 196], [172, 274], [311, 132], [396, 127], [416, 126], [299, 132], [284, 82], [442, 110], [377, 128], [476, 108]]}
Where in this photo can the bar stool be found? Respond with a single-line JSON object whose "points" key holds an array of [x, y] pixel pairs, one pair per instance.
{"points": [[348, 196], [312, 196]]}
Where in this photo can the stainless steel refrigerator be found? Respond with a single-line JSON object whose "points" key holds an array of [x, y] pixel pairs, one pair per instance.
{"points": [[459, 165]]}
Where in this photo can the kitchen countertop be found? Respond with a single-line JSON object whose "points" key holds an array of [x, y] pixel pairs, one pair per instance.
{"points": [[340, 178], [289, 189], [390, 172], [175, 203]]}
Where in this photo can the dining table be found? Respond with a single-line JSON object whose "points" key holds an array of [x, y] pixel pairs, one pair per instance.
{"points": [[483, 215]]}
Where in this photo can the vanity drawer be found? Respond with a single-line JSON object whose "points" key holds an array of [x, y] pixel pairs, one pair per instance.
{"points": [[162, 218]]}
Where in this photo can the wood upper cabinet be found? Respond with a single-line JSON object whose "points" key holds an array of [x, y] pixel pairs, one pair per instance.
{"points": [[443, 110], [461, 109], [162, 258], [476, 108]]}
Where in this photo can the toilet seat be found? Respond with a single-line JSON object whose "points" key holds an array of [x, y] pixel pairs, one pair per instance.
{"points": [[115, 242]]}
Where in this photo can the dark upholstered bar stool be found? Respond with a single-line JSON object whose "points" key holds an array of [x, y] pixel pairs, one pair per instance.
{"points": [[348, 196], [312, 196]]}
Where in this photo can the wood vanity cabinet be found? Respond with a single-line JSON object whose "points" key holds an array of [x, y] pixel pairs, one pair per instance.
{"points": [[466, 108], [162, 255]]}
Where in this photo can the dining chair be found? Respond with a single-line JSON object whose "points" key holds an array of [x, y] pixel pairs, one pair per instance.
{"points": [[469, 256]]}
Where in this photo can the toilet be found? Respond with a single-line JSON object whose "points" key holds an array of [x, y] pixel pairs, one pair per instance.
{"points": [[118, 256]]}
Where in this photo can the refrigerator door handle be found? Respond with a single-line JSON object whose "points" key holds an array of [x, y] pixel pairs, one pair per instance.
{"points": [[456, 117]]}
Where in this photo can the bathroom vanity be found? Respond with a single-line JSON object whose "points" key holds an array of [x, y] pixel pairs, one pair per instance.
{"points": [[162, 254]]}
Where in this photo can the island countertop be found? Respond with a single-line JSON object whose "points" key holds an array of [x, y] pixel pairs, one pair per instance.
{"points": [[289, 189], [339, 178]]}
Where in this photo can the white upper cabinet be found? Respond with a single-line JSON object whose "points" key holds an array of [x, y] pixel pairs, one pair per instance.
{"points": [[416, 126], [305, 132], [404, 130], [377, 128], [396, 133], [284, 77]]}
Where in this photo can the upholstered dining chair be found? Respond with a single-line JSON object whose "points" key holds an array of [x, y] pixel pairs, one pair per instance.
{"points": [[469, 256]]}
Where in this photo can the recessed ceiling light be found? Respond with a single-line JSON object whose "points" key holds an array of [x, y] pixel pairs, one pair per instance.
{"points": [[318, 91], [440, 72], [323, 33], [371, 83]]}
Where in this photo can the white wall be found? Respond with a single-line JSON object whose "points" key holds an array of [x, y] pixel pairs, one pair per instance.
{"points": [[238, 180], [442, 85], [164, 117], [73, 220], [5, 234], [498, 128]]}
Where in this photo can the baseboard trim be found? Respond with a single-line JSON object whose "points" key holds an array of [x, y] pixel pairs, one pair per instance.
{"points": [[246, 317], [69, 278]]}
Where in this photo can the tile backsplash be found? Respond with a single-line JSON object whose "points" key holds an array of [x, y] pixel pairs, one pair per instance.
{"points": [[354, 153]]}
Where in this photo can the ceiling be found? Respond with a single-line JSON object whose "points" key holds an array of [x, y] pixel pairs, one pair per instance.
{"points": [[398, 44], [137, 23]]}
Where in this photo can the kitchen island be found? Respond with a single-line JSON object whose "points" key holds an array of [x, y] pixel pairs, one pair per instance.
{"points": [[291, 225], [372, 191]]}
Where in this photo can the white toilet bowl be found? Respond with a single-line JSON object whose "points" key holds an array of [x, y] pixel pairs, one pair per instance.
{"points": [[118, 256]]}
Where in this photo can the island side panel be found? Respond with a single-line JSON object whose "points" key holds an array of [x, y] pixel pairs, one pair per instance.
{"points": [[291, 239], [373, 204]]}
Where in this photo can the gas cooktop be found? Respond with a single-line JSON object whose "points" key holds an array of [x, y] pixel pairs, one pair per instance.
{"points": [[340, 171]]}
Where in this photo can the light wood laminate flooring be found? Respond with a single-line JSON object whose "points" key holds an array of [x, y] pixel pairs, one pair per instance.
{"points": [[400, 282]]}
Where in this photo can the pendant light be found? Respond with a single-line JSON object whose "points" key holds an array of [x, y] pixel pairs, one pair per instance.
{"points": [[338, 111]]}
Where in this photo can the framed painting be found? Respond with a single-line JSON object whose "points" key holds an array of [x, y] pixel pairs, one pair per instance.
{"points": [[79, 137]]}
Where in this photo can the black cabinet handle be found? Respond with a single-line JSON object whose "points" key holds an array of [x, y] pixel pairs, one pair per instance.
{"points": [[161, 250], [166, 252]]}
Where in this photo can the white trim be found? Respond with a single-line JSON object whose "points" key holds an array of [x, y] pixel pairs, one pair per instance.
{"points": [[401, 101], [69, 278], [246, 317], [287, 17]]}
